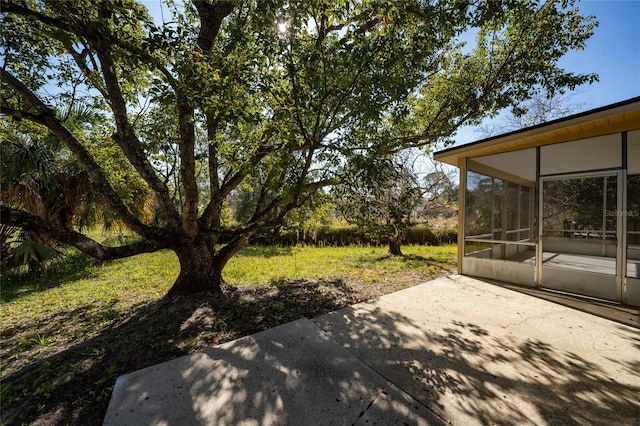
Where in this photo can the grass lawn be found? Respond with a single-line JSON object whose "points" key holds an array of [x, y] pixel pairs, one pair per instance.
{"points": [[68, 336]]}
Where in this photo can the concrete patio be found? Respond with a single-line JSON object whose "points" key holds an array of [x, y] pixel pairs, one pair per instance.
{"points": [[455, 350]]}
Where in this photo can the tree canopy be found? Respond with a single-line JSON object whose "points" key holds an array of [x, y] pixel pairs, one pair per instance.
{"points": [[279, 97]]}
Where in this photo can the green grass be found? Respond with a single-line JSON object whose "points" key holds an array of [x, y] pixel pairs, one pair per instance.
{"points": [[67, 336], [264, 265]]}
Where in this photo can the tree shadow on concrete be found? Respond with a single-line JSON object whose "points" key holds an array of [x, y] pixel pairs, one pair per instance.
{"points": [[471, 374], [294, 374], [631, 367], [74, 384]]}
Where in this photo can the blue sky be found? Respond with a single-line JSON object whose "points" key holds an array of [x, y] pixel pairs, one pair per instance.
{"points": [[613, 52]]}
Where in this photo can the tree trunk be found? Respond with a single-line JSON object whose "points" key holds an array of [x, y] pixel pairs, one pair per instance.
{"points": [[200, 269], [394, 247]]}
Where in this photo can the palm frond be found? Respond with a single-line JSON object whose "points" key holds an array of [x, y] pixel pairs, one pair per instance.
{"points": [[31, 254]]}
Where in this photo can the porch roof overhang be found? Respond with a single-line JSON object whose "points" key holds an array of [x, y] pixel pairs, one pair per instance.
{"points": [[614, 118]]}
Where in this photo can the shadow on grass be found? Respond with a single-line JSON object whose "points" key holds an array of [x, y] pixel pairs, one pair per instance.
{"points": [[265, 251], [74, 385], [406, 258], [416, 261], [72, 267]]}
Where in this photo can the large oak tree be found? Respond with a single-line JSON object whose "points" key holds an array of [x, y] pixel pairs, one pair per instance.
{"points": [[282, 96]]}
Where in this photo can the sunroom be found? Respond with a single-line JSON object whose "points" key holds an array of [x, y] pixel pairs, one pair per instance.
{"points": [[555, 206]]}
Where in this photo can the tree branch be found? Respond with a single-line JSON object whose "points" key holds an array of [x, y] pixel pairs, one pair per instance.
{"points": [[187, 168], [211, 16], [46, 116], [263, 215], [27, 221], [126, 137], [67, 26], [210, 217], [230, 182]]}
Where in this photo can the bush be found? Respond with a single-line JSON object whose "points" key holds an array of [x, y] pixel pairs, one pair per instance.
{"points": [[339, 236]]}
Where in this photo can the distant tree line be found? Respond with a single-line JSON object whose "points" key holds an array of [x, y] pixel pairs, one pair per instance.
{"points": [[339, 236]]}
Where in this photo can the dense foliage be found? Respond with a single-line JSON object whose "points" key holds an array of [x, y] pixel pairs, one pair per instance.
{"points": [[387, 200]]}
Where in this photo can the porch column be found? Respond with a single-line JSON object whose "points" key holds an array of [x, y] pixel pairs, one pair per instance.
{"points": [[462, 189]]}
